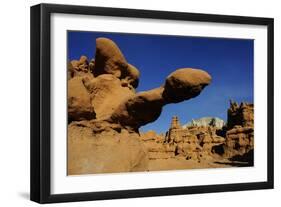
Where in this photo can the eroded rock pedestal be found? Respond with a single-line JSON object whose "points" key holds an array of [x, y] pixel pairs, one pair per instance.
{"points": [[105, 112]]}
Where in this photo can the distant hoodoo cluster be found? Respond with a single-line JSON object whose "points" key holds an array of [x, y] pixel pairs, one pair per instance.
{"points": [[194, 142], [205, 140]]}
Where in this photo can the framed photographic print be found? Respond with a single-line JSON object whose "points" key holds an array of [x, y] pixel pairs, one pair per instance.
{"points": [[133, 103]]}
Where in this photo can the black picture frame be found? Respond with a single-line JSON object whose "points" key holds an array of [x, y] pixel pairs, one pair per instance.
{"points": [[41, 96]]}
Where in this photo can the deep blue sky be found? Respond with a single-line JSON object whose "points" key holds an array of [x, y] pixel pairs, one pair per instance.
{"points": [[228, 61]]}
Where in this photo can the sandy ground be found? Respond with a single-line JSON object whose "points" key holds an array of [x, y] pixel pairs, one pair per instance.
{"points": [[179, 164]]}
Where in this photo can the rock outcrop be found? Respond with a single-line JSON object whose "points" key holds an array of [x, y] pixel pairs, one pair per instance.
{"points": [[146, 107], [79, 102], [156, 147], [105, 112], [242, 115], [190, 143], [240, 132], [109, 150], [207, 139]]}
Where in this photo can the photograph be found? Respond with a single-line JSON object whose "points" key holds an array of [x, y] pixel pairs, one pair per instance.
{"points": [[154, 102], [133, 103]]}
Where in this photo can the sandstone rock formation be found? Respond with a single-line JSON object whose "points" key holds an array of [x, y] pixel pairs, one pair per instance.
{"points": [[107, 151], [190, 143], [156, 147], [146, 107], [242, 115], [79, 102], [240, 132], [205, 141], [105, 112]]}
